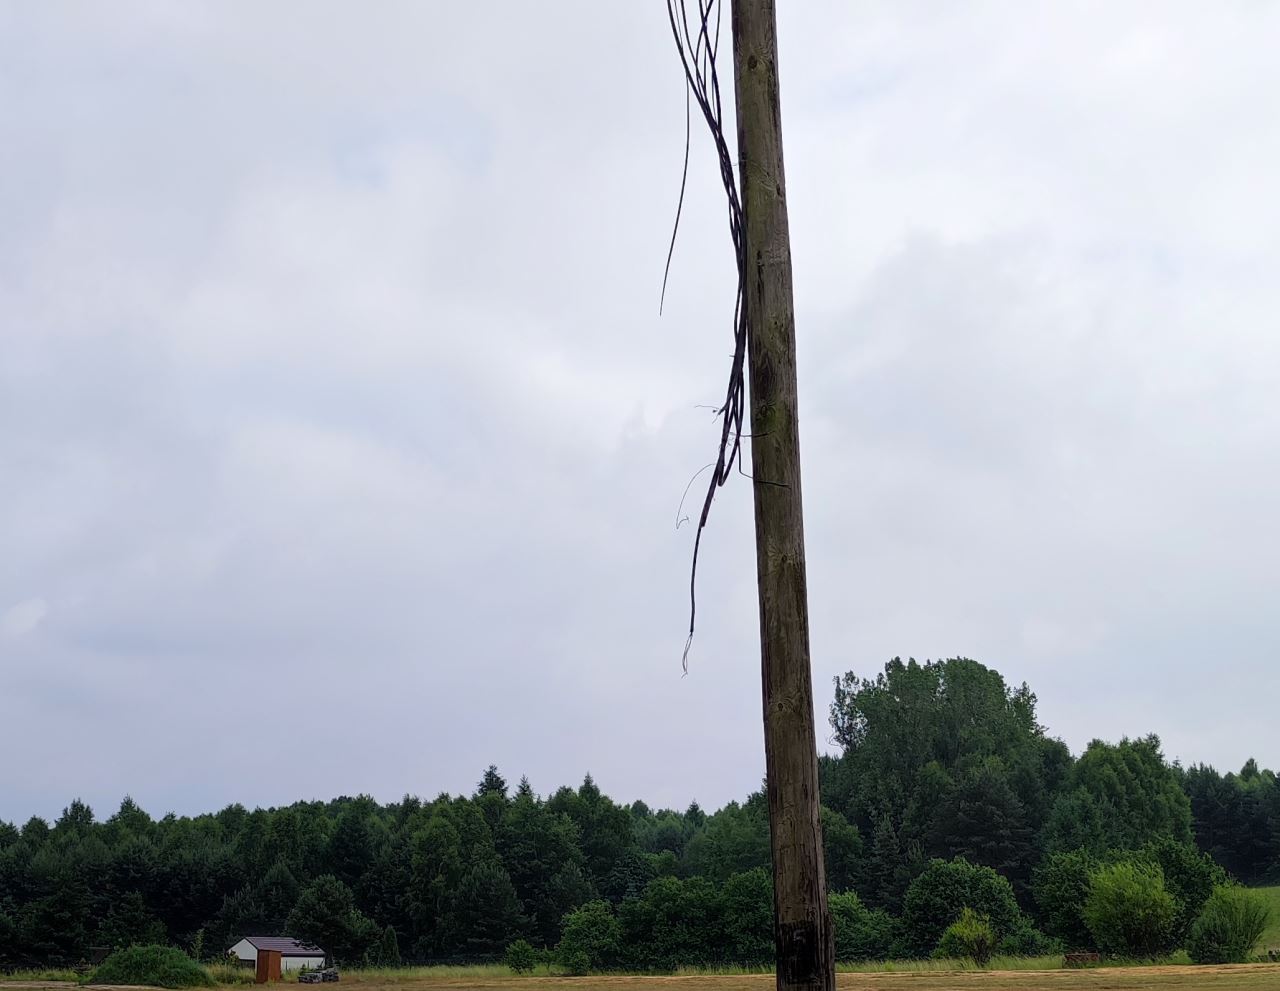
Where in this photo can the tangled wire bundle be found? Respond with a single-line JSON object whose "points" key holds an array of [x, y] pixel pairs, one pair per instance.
{"points": [[697, 41]]}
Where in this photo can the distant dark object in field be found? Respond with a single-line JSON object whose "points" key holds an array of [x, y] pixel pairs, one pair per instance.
{"points": [[1081, 959], [325, 976]]}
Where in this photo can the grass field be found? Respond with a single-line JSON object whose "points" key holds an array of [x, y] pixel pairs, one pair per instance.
{"points": [[905, 977], [1005, 974], [395, 978], [1255, 977]]}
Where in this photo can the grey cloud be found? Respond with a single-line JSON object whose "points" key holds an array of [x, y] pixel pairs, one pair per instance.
{"points": [[331, 365]]}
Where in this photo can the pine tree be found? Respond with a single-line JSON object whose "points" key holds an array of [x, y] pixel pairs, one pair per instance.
{"points": [[485, 913], [492, 783], [984, 822], [389, 948], [276, 895]]}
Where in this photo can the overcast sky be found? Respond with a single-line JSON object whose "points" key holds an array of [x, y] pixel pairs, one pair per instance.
{"points": [[342, 441]]}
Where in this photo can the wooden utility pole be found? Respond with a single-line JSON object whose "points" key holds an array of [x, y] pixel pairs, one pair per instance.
{"points": [[802, 924]]}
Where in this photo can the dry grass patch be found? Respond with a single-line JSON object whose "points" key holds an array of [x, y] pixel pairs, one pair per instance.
{"points": [[928, 976]]}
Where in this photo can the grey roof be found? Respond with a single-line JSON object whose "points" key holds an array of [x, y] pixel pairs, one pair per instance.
{"points": [[287, 947]]}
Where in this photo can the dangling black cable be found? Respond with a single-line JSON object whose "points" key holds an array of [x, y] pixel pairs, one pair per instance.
{"points": [[697, 47]]}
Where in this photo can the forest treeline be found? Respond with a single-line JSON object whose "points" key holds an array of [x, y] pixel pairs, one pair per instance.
{"points": [[947, 792]]}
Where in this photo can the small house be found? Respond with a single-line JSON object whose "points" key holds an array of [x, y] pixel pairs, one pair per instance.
{"points": [[293, 954]]}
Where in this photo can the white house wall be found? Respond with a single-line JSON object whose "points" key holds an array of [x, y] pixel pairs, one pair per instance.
{"points": [[244, 950]]}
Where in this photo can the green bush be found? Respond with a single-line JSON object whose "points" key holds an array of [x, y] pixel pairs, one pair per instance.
{"points": [[1060, 886], [158, 966], [521, 956], [590, 939], [745, 913], [970, 937], [1189, 875], [861, 933], [943, 890], [1025, 940], [1229, 926], [1129, 912], [677, 923]]}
